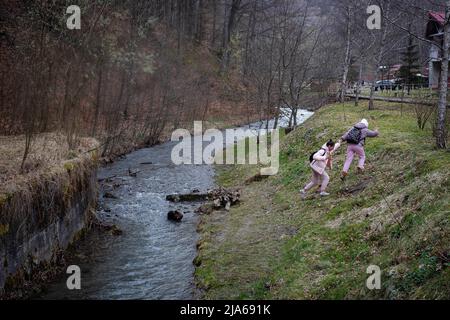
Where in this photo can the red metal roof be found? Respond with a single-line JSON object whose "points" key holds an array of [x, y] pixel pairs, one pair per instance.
{"points": [[439, 17]]}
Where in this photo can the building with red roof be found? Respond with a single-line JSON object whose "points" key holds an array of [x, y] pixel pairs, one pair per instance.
{"points": [[435, 33]]}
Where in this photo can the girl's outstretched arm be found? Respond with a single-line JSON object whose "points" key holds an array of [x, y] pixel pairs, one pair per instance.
{"points": [[336, 146]]}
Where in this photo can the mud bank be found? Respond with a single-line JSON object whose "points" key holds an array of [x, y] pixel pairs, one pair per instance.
{"points": [[40, 218]]}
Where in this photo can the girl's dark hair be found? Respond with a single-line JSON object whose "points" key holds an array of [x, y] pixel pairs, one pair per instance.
{"points": [[330, 143]]}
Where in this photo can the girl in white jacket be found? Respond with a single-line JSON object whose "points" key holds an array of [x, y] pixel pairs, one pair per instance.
{"points": [[321, 160]]}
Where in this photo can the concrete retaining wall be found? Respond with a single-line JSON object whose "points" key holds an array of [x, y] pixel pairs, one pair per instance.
{"points": [[37, 233]]}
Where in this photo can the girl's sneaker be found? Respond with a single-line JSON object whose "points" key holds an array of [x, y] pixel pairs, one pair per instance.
{"points": [[324, 194], [303, 193]]}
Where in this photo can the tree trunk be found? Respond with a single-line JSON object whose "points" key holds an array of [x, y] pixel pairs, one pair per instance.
{"points": [[98, 98], [358, 85], [347, 58], [441, 135], [235, 5], [379, 59], [213, 36]]}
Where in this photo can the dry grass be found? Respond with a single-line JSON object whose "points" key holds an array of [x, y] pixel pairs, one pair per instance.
{"points": [[48, 150]]}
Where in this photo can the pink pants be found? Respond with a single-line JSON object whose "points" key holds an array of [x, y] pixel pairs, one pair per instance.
{"points": [[318, 179], [351, 150]]}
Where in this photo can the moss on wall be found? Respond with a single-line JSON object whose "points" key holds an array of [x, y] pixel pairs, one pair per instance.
{"points": [[42, 217]]}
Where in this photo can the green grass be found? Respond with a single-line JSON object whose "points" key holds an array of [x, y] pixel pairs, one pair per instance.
{"points": [[276, 246]]}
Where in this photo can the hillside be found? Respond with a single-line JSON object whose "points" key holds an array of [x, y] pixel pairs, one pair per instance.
{"points": [[124, 80], [396, 215]]}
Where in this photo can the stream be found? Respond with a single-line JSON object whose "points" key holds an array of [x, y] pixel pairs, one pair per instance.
{"points": [[153, 257]]}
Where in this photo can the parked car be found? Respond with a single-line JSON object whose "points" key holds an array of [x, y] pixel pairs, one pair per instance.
{"points": [[384, 85]]}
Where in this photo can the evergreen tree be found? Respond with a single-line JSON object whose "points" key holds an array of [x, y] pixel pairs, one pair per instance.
{"points": [[410, 64]]}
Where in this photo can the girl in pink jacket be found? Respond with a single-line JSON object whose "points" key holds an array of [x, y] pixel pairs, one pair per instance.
{"points": [[356, 138], [320, 161]]}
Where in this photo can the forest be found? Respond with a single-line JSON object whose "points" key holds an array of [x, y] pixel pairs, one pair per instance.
{"points": [[137, 68], [134, 71]]}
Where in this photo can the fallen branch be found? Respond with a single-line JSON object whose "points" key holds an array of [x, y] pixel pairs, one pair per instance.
{"points": [[106, 179]]}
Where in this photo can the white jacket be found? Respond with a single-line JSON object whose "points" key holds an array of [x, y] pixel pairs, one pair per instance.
{"points": [[320, 158]]}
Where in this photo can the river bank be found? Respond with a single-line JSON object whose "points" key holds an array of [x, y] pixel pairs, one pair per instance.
{"points": [[40, 218], [153, 258], [42, 196], [132, 196], [395, 215]]}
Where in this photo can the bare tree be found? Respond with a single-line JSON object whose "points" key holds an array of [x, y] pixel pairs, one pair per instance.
{"points": [[347, 56], [411, 15], [381, 52], [441, 134]]}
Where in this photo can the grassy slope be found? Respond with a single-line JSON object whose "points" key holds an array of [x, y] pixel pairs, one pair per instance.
{"points": [[396, 215]]}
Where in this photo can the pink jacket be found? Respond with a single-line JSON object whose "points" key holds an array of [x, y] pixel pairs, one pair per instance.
{"points": [[321, 157]]}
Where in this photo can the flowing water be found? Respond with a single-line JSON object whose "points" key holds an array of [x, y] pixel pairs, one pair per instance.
{"points": [[153, 257]]}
